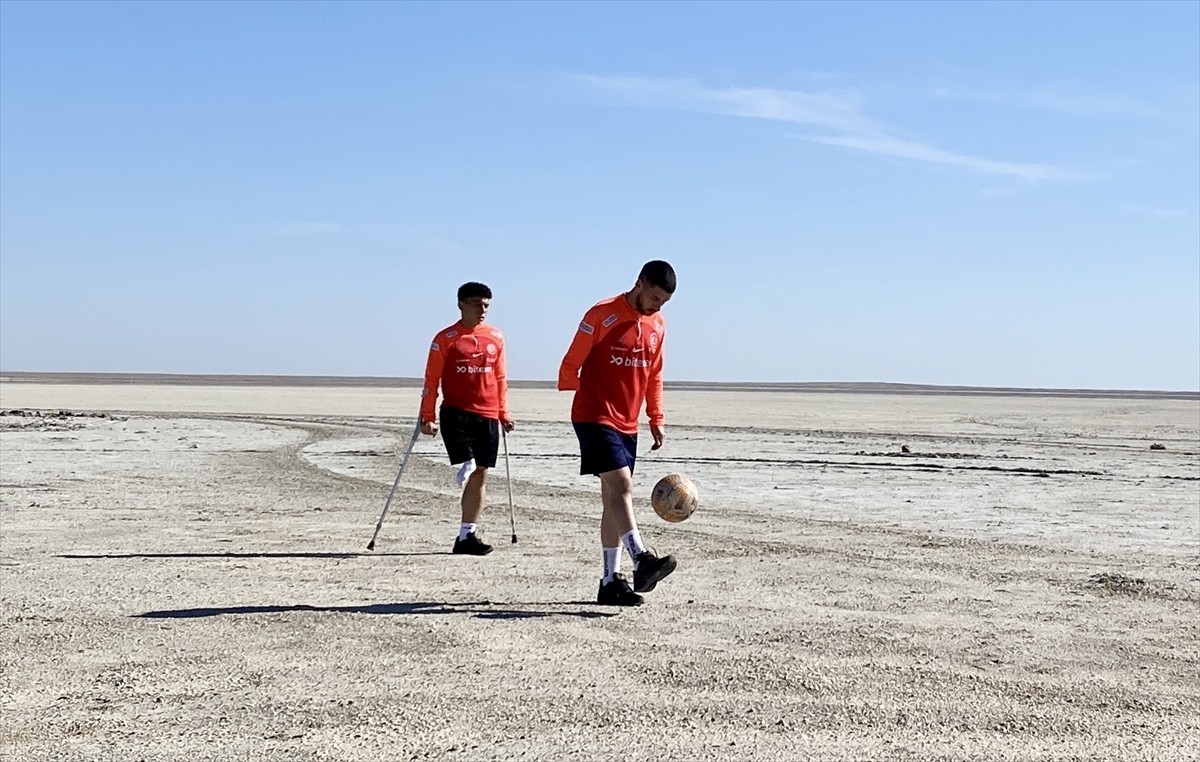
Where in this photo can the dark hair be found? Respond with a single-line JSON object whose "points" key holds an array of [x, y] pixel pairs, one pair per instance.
{"points": [[472, 290], [658, 273]]}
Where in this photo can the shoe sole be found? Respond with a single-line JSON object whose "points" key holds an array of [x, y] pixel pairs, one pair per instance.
{"points": [[629, 604], [470, 553], [659, 576]]}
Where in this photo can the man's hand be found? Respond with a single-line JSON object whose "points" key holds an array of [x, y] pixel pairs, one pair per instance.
{"points": [[429, 427], [659, 433], [508, 424]]}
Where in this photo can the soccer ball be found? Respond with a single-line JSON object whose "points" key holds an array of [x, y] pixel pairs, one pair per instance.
{"points": [[674, 498]]}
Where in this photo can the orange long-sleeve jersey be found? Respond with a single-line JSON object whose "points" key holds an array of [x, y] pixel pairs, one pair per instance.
{"points": [[470, 365], [615, 364]]}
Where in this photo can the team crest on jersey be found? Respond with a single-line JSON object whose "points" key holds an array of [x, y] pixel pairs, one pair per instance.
{"points": [[653, 341], [609, 321], [583, 326], [491, 349]]}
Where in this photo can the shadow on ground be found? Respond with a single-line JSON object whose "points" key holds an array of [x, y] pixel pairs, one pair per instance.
{"points": [[478, 609], [236, 554]]}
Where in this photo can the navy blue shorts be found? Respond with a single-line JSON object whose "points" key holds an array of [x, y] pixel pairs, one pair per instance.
{"points": [[468, 435], [603, 449]]}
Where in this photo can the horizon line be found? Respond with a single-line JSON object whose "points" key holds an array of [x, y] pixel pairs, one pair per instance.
{"points": [[858, 387]]}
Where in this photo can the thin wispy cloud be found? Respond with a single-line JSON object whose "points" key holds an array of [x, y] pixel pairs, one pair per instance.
{"points": [[1159, 212], [1065, 99], [998, 192], [904, 149], [298, 229], [840, 112], [834, 110], [1169, 214]]}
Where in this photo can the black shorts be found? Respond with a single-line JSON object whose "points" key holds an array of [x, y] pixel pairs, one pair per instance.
{"points": [[603, 449], [469, 435]]}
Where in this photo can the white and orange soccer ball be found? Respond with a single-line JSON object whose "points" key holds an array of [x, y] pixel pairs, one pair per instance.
{"points": [[675, 498]]}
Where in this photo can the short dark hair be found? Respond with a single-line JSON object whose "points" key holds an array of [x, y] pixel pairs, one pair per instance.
{"points": [[659, 273], [472, 290]]}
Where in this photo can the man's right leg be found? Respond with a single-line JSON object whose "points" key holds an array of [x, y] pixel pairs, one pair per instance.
{"points": [[616, 495], [619, 527], [613, 519], [601, 451]]}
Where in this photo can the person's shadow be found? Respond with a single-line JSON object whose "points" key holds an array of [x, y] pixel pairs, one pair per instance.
{"points": [[478, 609], [243, 554]]}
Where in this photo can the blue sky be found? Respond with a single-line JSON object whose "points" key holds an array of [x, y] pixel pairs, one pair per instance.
{"points": [[991, 194]]}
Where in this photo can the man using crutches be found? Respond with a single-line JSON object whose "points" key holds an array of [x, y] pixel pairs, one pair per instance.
{"points": [[467, 360]]}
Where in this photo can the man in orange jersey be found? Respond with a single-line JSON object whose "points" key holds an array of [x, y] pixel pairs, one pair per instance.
{"points": [[468, 360], [614, 365]]}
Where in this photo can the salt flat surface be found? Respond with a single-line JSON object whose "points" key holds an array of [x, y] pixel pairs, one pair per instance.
{"points": [[183, 575]]}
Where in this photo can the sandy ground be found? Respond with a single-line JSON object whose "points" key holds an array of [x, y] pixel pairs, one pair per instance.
{"points": [[183, 576]]}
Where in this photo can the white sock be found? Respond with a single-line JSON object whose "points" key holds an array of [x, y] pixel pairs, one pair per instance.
{"points": [[464, 471], [612, 564], [465, 529], [632, 540]]}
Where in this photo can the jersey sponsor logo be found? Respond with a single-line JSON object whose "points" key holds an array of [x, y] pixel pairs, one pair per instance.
{"points": [[628, 362], [474, 369], [609, 321], [583, 326]]}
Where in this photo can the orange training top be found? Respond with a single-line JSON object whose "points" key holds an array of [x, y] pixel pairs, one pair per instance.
{"points": [[615, 364], [470, 366]]}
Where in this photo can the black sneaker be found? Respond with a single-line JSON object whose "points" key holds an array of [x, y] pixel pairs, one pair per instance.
{"points": [[618, 593], [649, 570], [472, 546]]}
